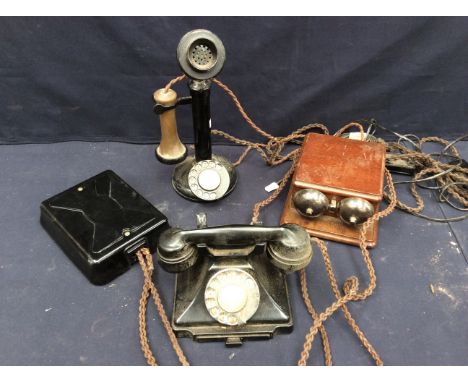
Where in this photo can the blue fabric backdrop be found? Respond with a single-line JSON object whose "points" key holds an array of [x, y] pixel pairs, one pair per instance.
{"points": [[74, 78]]}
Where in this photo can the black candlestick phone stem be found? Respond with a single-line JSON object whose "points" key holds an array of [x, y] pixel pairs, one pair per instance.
{"points": [[200, 92]]}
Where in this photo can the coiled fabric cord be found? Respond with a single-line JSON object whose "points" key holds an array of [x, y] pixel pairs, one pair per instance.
{"points": [[450, 178], [146, 263], [271, 152], [351, 285]]}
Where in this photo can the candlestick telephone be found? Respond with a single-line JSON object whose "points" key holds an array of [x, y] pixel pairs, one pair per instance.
{"points": [[203, 176], [230, 281]]}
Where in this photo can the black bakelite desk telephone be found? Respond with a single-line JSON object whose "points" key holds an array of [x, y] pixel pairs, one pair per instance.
{"points": [[230, 281]]}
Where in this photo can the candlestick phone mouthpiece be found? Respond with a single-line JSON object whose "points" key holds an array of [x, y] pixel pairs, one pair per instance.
{"points": [[203, 176], [201, 54]]}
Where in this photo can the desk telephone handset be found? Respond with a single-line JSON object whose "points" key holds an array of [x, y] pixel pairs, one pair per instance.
{"points": [[230, 281]]}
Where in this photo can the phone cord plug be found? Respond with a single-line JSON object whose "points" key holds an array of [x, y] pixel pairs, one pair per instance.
{"points": [[149, 289]]}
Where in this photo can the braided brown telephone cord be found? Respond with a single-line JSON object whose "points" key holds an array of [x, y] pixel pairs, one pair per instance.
{"points": [[146, 262], [453, 180], [271, 153], [351, 284]]}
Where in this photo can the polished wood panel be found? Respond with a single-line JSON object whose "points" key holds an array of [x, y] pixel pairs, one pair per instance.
{"points": [[340, 168]]}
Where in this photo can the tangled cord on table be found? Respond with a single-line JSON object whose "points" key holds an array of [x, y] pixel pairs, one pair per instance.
{"points": [[271, 153], [452, 179]]}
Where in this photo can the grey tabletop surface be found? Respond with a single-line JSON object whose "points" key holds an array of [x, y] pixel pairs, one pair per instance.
{"points": [[51, 315]]}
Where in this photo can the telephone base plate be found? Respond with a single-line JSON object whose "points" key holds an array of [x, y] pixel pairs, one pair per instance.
{"points": [[192, 319]]}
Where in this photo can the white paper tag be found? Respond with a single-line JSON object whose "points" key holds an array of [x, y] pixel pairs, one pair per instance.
{"points": [[272, 187], [356, 135]]}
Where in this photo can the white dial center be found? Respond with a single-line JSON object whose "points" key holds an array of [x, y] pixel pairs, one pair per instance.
{"points": [[209, 179], [232, 298]]}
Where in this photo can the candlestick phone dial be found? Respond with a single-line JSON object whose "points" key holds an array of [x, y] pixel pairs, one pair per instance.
{"points": [[204, 176]]}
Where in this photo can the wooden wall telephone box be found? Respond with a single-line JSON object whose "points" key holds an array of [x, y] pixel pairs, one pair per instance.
{"points": [[339, 168]]}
